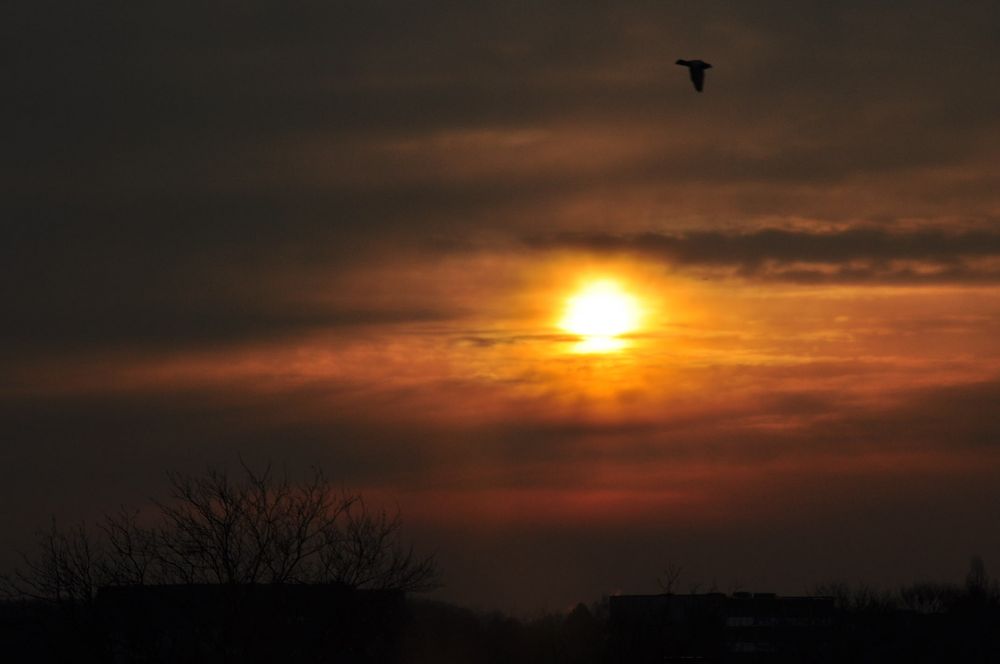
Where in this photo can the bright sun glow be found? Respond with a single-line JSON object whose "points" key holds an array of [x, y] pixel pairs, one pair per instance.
{"points": [[599, 313]]}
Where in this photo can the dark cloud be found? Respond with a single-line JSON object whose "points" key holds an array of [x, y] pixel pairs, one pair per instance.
{"points": [[181, 132], [871, 254], [941, 418], [814, 428], [151, 92], [75, 287]]}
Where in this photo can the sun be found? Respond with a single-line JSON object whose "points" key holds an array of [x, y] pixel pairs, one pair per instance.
{"points": [[600, 313]]}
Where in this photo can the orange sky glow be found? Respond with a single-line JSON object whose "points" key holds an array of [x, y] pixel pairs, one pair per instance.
{"points": [[499, 265]]}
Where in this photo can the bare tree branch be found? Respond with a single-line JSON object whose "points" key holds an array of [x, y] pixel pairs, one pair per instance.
{"points": [[65, 570], [254, 527]]}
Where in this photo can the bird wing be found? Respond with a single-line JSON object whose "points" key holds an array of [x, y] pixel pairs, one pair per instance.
{"points": [[698, 78]]}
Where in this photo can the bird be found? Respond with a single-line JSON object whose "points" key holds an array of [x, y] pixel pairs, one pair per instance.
{"points": [[697, 68]]}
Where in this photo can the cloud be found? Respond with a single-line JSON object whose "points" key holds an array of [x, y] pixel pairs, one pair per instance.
{"points": [[853, 255]]}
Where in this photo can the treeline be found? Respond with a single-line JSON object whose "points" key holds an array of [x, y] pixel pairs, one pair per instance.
{"points": [[920, 622], [978, 593]]}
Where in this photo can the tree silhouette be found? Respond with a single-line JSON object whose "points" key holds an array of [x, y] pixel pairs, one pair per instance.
{"points": [[252, 528], [668, 580], [66, 569], [977, 581]]}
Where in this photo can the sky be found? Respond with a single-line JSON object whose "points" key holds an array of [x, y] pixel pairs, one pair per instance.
{"points": [[346, 233]]}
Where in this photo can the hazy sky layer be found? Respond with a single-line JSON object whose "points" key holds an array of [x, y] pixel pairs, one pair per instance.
{"points": [[344, 233]]}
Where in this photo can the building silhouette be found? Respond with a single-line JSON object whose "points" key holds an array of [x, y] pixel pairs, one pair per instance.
{"points": [[715, 627], [251, 623]]}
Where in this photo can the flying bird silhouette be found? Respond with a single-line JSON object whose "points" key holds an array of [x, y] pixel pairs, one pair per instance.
{"points": [[697, 68]]}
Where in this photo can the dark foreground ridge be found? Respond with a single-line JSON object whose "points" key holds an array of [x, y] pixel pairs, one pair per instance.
{"points": [[763, 627], [335, 623], [211, 623]]}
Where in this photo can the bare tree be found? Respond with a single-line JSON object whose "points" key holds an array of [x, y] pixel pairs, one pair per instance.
{"points": [[928, 597], [131, 553], [66, 568], [668, 580], [256, 527], [977, 581], [370, 554], [856, 598]]}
